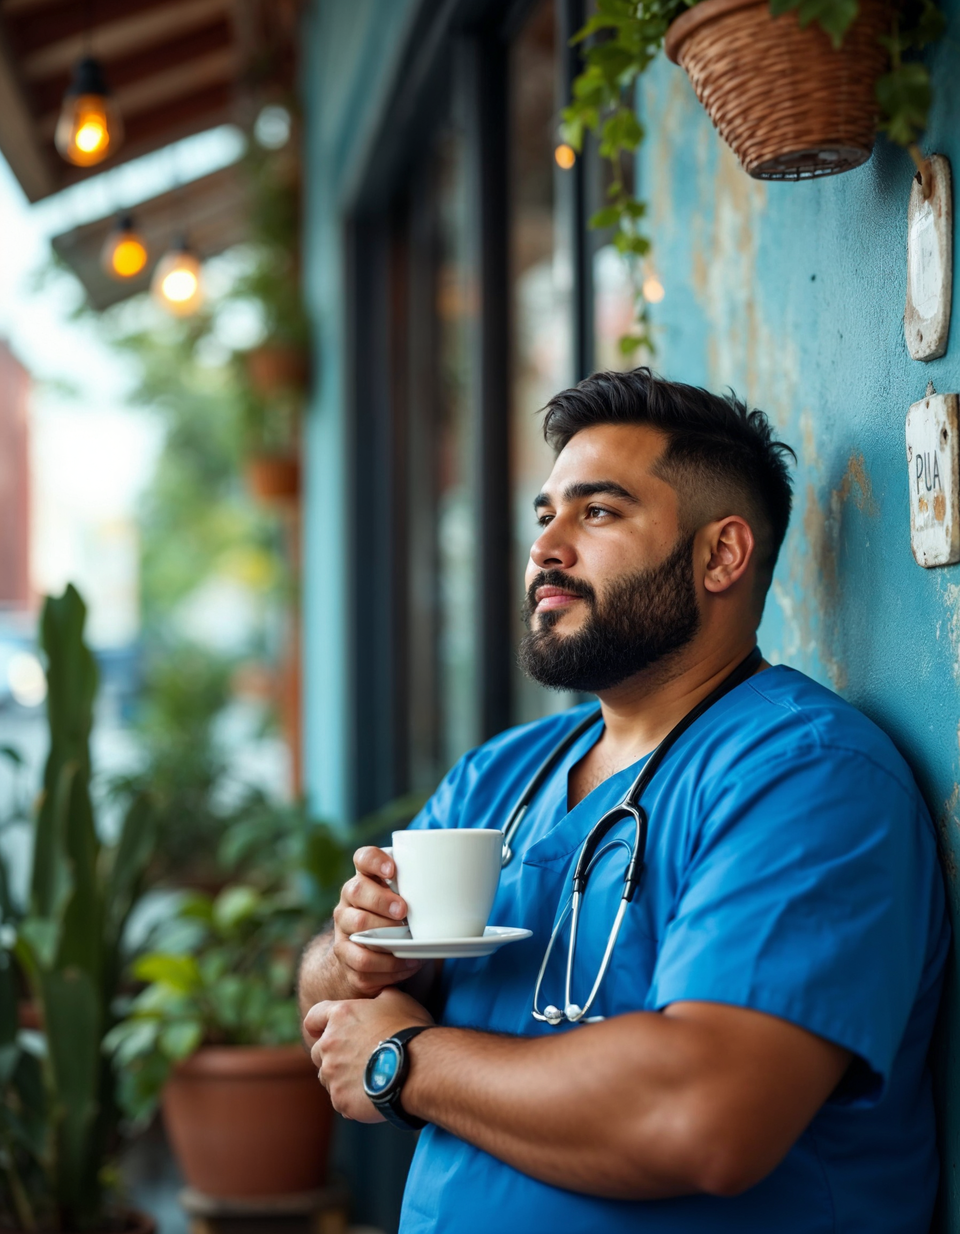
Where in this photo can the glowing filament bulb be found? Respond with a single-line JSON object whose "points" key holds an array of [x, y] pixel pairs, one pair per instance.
{"points": [[124, 253], [89, 127], [565, 156], [176, 281]]}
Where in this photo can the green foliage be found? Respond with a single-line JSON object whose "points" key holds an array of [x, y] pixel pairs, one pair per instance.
{"points": [[197, 521], [58, 1112], [631, 33], [223, 974]]}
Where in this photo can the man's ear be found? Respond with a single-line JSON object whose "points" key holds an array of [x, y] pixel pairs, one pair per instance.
{"points": [[731, 545]]}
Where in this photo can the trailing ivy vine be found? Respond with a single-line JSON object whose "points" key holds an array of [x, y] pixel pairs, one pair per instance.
{"points": [[631, 34]]}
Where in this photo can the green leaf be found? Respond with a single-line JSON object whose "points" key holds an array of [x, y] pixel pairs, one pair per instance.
{"points": [[181, 1039], [73, 1030], [130, 858], [233, 906], [629, 343], [905, 95], [609, 216], [37, 941], [131, 1039], [12, 754], [178, 972]]}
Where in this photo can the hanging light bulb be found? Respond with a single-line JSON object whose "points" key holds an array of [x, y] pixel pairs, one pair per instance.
{"points": [[565, 156], [176, 280], [89, 127], [125, 253]]}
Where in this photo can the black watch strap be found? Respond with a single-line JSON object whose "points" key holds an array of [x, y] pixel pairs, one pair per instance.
{"points": [[390, 1103]]}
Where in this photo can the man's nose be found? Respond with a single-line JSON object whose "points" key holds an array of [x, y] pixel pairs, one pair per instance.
{"points": [[551, 550]]}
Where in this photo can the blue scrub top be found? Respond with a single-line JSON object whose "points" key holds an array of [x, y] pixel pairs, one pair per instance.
{"points": [[792, 869]]}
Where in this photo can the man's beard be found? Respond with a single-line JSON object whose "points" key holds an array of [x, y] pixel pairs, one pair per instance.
{"points": [[638, 621]]}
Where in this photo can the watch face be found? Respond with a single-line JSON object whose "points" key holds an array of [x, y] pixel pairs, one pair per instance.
{"points": [[382, 1069]]}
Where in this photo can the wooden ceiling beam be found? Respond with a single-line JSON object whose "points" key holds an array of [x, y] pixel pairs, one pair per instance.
{"points": [[133, 29], [133, 69], [31, 165], [32, 29]]}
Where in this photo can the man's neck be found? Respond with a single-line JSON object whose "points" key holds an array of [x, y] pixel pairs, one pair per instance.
{"points": [[639, 712]]}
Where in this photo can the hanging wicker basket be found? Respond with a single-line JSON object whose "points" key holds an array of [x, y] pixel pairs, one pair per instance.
{"points": [[788, 103]]}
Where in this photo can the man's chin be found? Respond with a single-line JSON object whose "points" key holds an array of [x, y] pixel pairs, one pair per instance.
{"points": [[564, 622]]}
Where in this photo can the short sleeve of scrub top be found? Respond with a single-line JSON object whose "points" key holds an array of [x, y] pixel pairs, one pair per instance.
{"points": [[782, 914]]}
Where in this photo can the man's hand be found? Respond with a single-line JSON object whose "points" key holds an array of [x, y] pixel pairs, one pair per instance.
{"points": [[345, 1035], [335, 968]]}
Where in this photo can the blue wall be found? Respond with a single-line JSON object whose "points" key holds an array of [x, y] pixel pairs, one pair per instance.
{"points": [[794, 295]]}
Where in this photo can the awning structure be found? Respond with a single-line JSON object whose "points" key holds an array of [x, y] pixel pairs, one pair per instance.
{"points": [[175, 67], [211, 211]]}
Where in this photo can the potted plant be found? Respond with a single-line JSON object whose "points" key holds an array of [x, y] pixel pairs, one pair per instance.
{"points": [[215, 1038], [797, 88], [271, 439], [64, 945]]}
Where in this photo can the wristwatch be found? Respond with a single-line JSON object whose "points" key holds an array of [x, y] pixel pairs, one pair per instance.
{"points": [[384, 1074]]}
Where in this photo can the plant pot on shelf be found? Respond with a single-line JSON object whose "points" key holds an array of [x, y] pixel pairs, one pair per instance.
{"points": [[274, 477], [789, 104], [277, 366], [249, 1121]]}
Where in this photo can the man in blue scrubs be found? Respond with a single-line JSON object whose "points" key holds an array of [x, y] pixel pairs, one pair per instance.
{"points": [[771, 996]]}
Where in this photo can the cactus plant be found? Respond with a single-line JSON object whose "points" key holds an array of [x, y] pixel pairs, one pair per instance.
{"points": [[58, 1112]]}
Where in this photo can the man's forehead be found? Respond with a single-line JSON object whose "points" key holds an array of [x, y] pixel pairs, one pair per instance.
{"points": [[620, 452]]}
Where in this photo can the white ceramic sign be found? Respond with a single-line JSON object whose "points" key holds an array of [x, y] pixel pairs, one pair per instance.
{"points": [[933, 470], [926, 319]]}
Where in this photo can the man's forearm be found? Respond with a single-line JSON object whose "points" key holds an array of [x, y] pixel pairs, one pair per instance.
{"points": [[319, 976], [641, 1106], [560, 1108]]}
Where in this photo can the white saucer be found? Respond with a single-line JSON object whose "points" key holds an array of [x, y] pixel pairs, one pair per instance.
{"points": [[397, 940]]}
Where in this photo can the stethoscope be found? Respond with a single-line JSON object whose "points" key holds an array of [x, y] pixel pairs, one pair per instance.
{"points": [[628, 807]]}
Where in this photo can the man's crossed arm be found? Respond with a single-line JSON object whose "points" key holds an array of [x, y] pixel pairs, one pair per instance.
{"points": [[702, 1097]]}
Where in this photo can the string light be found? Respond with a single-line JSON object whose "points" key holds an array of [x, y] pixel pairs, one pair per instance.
{"points": [[124, 253], [652, 289], [89, 127], [176, 280], [565, 156]]}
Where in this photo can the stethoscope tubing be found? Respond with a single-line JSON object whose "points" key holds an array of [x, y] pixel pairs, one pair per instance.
{"points": [[628, 807]]}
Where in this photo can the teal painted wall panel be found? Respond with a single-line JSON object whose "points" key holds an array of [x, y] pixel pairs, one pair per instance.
{"points": [[351, 58], [793, 294]]}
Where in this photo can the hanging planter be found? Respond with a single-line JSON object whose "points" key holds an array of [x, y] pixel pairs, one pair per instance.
{"points": [[274, 478], [790, 104], [797, 89], [275, 367]]}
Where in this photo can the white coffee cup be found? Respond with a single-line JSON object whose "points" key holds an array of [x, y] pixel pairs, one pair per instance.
{"points": [[449, 878]]}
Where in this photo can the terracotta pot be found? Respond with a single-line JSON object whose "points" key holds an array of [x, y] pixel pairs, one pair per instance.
{"points": [[249, 1121], [789, 104], [274, 477], [277, 366]]}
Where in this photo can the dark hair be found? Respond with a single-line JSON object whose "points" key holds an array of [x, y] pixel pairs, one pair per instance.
{"points": [[716, 448]]}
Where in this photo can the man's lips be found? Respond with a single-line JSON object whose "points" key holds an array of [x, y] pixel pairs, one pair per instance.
{"points": [[553, 597]]}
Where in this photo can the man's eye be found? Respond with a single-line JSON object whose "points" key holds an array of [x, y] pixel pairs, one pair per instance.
{"points": [[597, 511], [543, 519]]}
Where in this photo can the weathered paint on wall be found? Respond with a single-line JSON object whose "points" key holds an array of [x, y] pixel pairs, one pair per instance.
{"points": [[351, 49], [793, 294]]}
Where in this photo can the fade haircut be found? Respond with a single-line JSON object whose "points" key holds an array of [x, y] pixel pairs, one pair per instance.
{"points": [[720, 457]]}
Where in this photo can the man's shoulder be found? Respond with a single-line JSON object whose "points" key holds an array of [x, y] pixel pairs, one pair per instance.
{"points": [[783, 712]]}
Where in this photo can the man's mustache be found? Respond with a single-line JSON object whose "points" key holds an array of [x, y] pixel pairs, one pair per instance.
{"points": [[556, 578]]}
